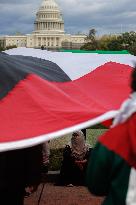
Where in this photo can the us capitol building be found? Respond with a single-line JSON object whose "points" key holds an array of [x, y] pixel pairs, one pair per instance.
{"points": [[48, 31]]}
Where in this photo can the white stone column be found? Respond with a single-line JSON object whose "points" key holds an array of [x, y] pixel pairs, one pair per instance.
{"points": [[46, 41], [50, 42], [36, 40], [41, 41], [59, 43], [55, 42]]}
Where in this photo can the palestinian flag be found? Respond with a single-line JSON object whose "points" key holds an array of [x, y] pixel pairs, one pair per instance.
{"points": [[48, 94], [112, 168]]}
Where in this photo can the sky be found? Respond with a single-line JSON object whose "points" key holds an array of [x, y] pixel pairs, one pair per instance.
{"points": [[106, 16]]}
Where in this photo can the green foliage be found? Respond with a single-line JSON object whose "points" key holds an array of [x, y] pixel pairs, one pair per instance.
{"points": [[10, 47], [129, 41], [92, 35], [91, 42], [105, 40], [1, 48], [98, 126], [93, 135], [91, 46], [56, 156], [114, 45], [125, 41]]}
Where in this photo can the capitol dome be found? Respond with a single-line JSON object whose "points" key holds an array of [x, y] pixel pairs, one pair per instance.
{"points": [[49, 5], [49, 18], [48, 31]]}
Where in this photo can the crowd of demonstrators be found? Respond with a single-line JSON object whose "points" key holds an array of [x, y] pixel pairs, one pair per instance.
{"points": [[20, 170], [75, 158], [112, 167]]}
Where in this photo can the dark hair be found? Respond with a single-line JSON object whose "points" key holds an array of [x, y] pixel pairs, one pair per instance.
{"points": [[133, 79], [75, 134]]}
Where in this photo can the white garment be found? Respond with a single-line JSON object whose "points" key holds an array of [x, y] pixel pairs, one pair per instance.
{"points": [[131, 195], [128, 108]]}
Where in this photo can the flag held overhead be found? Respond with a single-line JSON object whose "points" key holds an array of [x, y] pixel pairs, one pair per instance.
{"points": [[40, 100]]}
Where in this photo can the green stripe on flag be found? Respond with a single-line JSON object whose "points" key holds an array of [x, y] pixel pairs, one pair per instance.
{"points": [[96, 51]]}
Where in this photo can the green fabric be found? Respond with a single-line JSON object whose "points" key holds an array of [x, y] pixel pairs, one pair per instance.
{"points": [[96, 51], [108, 175]]}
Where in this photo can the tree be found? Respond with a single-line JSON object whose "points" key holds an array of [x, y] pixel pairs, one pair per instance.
{"points": [[10, 47], [1, 48], [91, 42], [114, 45], [129, 41], [91, 37], [105, 40], [126, 41]]}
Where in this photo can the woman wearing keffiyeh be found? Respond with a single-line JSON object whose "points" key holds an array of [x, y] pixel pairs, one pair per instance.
{"points": [[75, 158]]}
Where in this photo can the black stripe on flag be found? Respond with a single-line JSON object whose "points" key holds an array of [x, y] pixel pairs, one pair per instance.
{"points": [[16, 68]]}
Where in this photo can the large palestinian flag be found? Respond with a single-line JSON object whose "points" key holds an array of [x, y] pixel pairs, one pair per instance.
{"points": [[48, 94]]}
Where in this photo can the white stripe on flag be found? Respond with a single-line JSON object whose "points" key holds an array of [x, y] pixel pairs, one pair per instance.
{"points": [[75, 65]]}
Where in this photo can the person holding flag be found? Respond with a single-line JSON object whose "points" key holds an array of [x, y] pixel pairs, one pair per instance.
{"points": [[112, 167]]}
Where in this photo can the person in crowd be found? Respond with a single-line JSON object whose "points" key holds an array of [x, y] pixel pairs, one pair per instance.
{"points": [[19, 170], [42, 47], [46, 155], [112, 167], [75, 158]]}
